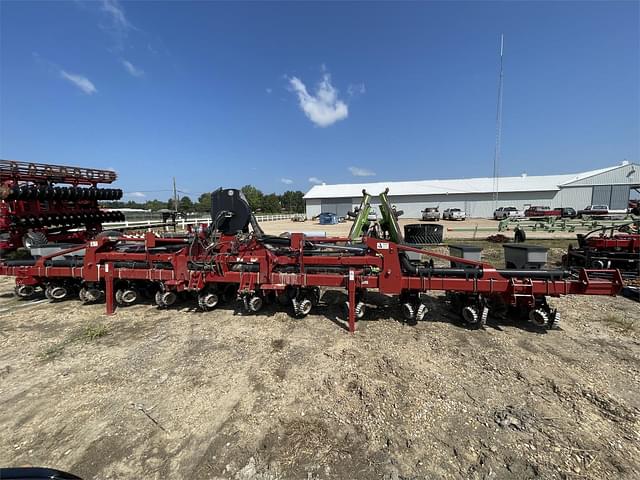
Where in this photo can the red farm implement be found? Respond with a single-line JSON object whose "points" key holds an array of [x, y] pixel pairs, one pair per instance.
{"points": [[608, 247], [52, 203], [234, 260]]}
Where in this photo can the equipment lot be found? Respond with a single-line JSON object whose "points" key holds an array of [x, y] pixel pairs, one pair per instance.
{"points": [[178, 393], [342, 229]]}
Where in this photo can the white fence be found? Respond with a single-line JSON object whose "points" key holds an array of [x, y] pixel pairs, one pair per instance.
{"points": [[183, 222]]}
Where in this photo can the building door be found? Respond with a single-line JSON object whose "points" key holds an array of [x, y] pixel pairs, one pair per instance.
{"points": [[619, 197], [601, 195], [339, 206], [616, 196]]}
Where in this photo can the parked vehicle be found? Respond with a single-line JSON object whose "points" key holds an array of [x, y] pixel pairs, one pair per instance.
{"points": [[454, 214], [501, 213], [601, 211], [373, 215], [567, 212], [430, 214], [327, 218], [538, 211]]}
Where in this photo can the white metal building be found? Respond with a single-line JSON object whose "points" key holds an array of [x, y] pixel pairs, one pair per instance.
{"points": [[610, 186]]}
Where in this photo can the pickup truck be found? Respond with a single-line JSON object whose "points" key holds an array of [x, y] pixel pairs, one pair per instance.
{"points": [[600, 211], [537, 211], [501, 213], [454, 214], [430, 214]]}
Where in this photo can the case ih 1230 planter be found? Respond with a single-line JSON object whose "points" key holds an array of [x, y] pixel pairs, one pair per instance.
{"points": [[233, 259]]}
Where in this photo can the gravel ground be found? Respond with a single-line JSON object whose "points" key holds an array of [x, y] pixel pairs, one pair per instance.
{"points": [[176, 393]]}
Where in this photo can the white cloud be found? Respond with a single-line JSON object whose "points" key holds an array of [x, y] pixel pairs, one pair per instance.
{"points": [[136, 194], [286, 181], [118, 25], [324, 108], [132, 69], [315, 180], [361, 172], [356, 89], [268, 90], [116, 12], [80, 81]]}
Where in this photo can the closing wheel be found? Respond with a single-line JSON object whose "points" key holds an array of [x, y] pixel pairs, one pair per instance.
{"points": [[554, 323], [484, 316], [25, 291], [539, 317], [302, 307], [255, 303], [408, 312], [421, 312], [360, 310], [471, 315], [207, 300]]}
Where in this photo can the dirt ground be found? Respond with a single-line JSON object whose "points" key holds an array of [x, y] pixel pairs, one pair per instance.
{"points": [[178, 393]]}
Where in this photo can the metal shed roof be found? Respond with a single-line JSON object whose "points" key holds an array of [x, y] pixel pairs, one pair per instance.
{"points": [[522, 183]]}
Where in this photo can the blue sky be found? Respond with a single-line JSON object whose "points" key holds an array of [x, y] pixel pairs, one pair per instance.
{"points": [[281, 95]]}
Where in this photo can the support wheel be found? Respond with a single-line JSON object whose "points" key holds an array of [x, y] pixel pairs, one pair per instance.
{"points": [[25, 292], [208, 301], [90, 295], [126, 297], [165, 299], [56, 293]]}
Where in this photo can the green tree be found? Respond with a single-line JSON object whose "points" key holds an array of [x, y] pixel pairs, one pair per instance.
{"points": [[155, 205], [292, 201], [254, 197], [271, 203], [185, 204], [170, 204], [204, 202]]}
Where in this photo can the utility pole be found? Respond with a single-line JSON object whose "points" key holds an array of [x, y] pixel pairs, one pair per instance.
{"points": [[175, 197], [496, 154]]}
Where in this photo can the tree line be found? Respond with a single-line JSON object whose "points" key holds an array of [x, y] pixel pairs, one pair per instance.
{"points": [[289, 201]]}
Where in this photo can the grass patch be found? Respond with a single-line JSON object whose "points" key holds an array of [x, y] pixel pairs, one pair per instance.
{"points": [[89, 333], [94, 331], [625, 325]]}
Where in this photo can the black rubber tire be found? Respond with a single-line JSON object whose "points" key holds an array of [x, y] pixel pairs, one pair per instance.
{"points": [[519, 236], [34, 239]]}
